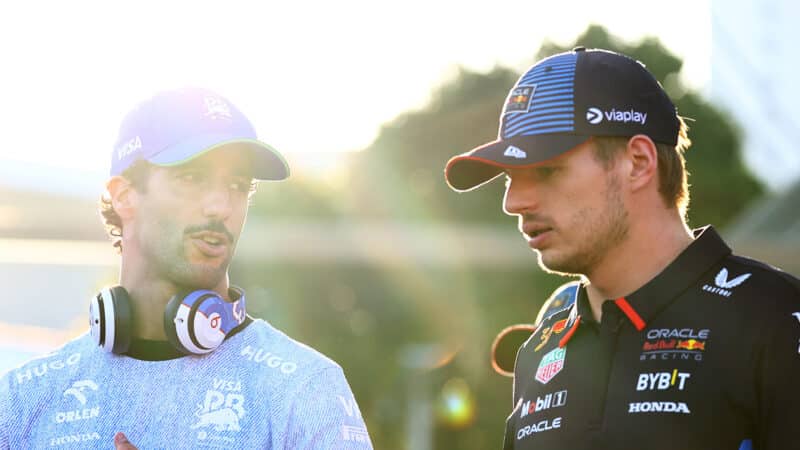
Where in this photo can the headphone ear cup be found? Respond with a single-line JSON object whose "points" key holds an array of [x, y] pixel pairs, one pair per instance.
{"points": [[123, 318], [110, 319], [171, 321], [193, 321]]}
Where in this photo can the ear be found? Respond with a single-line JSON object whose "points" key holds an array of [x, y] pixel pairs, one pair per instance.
{"points": [[123, 196], [643, 161]]}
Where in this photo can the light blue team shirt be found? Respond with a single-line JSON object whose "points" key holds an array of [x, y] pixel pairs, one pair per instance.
{"points": [[259, 390]]}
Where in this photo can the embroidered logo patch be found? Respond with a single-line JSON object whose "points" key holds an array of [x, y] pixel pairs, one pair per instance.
{"points": [[550, 365], [519, 99]]}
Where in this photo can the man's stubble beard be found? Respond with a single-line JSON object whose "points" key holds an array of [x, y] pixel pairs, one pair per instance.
{"points": [[166, 253], [601, 232]]}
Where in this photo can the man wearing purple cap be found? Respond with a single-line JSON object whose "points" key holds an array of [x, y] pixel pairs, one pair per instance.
{"points": [[172, 359], [668, 340]]}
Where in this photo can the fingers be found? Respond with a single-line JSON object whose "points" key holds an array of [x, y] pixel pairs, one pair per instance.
{"points": [[121, 442]]}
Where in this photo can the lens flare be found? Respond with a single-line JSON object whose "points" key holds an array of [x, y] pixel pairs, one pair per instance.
{"points": [[455, 406]]}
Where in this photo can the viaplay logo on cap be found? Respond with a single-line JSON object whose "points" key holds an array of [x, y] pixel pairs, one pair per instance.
{"points": [[519, 100], [595, 116]]}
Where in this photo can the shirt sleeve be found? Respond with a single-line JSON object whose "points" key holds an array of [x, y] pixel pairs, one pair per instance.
{"points": [[325, 415], [779, 399], [4, 408]]}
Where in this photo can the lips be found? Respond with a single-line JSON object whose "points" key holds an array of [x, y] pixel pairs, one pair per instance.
{"points": [[210, 243], [536, 234]]}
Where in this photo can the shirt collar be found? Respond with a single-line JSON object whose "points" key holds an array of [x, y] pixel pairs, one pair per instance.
{"points": [[705, 251]]}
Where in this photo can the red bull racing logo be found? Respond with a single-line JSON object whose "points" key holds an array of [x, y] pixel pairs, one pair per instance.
{"points": [[519, 99], [671, 344]]}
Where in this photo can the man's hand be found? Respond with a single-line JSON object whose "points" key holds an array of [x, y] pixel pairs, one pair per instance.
{"points": [[121, 442]]}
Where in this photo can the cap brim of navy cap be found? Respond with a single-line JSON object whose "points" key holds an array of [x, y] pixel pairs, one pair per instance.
{"points": [[481, 165], [268, 164]]}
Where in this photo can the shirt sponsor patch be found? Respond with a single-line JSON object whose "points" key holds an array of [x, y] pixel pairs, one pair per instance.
{"points": [[551, 364], [553, 400], [723, 286], [661, 381], [668, 344], [658, 407]]}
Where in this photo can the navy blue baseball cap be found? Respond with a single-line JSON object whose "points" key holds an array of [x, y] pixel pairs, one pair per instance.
{"points": [[561, 102], [176, 126]]}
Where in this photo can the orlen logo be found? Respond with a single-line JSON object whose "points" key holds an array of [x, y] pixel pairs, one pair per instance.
{"points": [[553, 400], [661, 381]]}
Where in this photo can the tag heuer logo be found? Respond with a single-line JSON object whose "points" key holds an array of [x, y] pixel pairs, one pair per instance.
{"points": [[515, 152], [723, 285], [550, 365]]}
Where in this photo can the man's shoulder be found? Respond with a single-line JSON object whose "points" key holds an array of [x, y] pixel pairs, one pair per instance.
{"points": [[757, 278], [271, 348], [560, 301], [38, 373]]}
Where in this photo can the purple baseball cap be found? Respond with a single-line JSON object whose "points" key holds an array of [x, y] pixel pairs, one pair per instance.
{"points": [[176, 126]]}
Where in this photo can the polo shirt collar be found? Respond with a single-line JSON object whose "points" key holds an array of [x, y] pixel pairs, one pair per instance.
{"points": [[644, 304]]}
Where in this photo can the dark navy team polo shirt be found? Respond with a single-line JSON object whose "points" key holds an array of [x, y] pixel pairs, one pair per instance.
{"points": [[704, 356]]}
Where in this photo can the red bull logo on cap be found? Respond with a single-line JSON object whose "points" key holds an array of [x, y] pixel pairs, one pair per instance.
{"points": [[519, 99]]}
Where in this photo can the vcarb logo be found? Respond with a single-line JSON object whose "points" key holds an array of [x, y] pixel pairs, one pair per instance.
{"points": [[42, 369], [723, 285], [595, 115], [657, 407], [544, 425], [553, 400], [661, 381], [270, 360]]}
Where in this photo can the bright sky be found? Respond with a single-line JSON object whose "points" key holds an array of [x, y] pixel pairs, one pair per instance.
{"points": [[315, 78]]}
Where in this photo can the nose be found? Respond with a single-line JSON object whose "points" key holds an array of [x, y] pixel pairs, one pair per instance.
{"points": [[520, 197], [217, 202]]}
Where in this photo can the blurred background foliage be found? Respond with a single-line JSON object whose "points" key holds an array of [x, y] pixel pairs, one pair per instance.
{"points": [[373, 318]]}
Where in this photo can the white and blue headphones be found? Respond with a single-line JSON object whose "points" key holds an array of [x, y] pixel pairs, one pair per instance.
{"points": [[195, 323]]}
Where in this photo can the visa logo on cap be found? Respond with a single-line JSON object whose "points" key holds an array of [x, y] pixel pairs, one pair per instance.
{"points": [[515, 152]]}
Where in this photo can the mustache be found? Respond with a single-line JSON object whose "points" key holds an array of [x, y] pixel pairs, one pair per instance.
{"points": [[533, 217], [213, 226]]}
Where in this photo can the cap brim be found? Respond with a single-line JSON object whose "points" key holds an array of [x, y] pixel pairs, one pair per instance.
{"points": [[268, 164], [482, 164]]}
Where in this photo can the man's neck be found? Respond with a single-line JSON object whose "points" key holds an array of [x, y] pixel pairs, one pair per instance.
{"points": [[648, 249], [149, 298]]}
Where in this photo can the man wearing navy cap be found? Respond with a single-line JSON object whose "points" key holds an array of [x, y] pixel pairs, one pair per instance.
{"points": [[669, 340], [172, 359]]}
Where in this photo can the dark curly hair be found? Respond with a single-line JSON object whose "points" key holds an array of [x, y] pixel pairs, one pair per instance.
{"points": [[137, 174]]}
